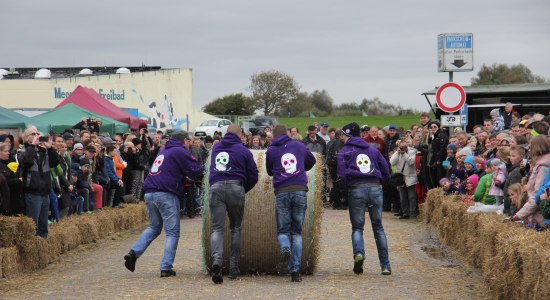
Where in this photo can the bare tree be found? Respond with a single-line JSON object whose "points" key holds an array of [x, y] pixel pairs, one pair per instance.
{"points": [[272, 90]]}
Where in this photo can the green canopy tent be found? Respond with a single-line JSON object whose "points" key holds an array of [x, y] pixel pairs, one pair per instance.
{"points": [[12, 120], [69, 115]]}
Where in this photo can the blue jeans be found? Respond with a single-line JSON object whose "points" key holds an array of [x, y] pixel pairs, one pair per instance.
{"points": [[368, 197], [290, 210], [37, 209], [78, 204], [162, 209], [226, 197], [54, 206]]}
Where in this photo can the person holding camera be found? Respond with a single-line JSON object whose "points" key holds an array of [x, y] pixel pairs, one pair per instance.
{"points": [[36, 161], [89, 123], [403, 159]]}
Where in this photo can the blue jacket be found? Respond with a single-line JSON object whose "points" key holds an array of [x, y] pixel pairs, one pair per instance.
{"points": [[170, 168], [359, 161], [109, 169], [288, 161], [231, 160]]}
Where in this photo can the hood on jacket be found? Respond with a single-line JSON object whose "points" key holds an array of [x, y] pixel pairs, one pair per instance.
{"points": [[470, 160], [173, 143], [281, 140], [358, 142], [230, 139], [474, 180]]}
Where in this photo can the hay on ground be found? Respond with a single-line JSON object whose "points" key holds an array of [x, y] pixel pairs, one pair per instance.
{"points": [[259, 245], [9, 261], [513, 260]]}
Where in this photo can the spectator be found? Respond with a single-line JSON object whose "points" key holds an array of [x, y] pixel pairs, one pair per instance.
{"points": [[8, 169], [530, 212], [323, 132], [499, 176], [255, 145], [403, 160], [374, 140], [36, 161], [113, 169], [390, 141], [489, 126], [439, 152], [498, 121], [507, 115], [314, 142], [515, 174], [337, 199]]}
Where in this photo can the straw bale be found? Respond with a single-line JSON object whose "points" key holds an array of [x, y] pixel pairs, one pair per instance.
{"points": [[513, 260], [15, 229], [259, 245], [9, 261]]}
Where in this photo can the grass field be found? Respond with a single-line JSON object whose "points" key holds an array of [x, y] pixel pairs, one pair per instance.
{"points": [[338, 122]]}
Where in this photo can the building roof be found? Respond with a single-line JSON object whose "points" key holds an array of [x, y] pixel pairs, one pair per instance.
{"points": [[501, 89], [63, 72]]}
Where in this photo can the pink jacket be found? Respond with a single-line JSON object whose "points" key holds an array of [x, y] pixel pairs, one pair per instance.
{"points": [[500, 175], [530, 212]]}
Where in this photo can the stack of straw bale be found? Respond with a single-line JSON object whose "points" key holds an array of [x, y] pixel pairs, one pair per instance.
{"points": [[514, 261], [21, 250], [259, 246]]}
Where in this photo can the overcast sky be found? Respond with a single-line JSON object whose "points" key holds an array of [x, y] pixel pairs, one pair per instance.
{"points": [[352, 49]]}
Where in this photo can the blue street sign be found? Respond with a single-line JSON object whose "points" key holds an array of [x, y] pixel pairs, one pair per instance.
{"points": [[464, 114], [458, 42]]}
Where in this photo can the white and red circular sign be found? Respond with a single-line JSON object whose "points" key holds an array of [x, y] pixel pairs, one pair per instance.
{"points": [[450, 97]]}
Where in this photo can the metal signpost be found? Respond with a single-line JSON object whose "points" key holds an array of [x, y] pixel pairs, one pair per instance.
{"points": [[455, 54]]}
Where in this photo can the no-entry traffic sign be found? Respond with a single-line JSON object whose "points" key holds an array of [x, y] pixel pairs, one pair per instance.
{"points": [[450, 97]]}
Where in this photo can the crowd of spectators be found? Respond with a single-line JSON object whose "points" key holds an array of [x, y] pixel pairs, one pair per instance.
{"points": [[504, 161]]}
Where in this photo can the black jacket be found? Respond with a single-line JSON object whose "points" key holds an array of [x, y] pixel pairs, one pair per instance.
{"points": [[439, 147], [35, 165]]}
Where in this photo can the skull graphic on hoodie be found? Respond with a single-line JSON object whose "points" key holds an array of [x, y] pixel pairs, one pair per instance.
{"points": [[222, 159]]}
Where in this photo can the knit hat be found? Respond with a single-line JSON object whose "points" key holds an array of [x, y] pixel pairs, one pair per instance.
{"points": [[452, 146], [78, 146], [84, 161], [470, 160], [465, 151], [495, 112], [351, 130], [444, 180], [496, 162]]}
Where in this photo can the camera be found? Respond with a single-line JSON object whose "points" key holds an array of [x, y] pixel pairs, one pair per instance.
{"points": [[403, 149], [43, 139]]}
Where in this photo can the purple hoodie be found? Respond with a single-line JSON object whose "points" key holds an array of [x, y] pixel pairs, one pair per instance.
{"points": [[359, 161], [170, 168], [231, 160], [287, 161]]}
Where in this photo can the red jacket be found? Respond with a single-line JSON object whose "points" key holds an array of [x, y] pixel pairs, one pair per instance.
{"points": [[377, 143]]}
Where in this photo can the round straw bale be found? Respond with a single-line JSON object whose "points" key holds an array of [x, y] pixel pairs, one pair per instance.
{"points": [[259, 245]]}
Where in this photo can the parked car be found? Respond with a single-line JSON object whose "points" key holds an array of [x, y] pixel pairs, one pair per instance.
{"points": [[262, 122], [212, 127]]}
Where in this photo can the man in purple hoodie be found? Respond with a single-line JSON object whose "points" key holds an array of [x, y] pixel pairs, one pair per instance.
{"points": [[361, 169], [163, 185], [288, 161], [233, 172]]}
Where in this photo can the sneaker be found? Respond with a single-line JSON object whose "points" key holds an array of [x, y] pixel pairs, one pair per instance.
{"points": [[386, 271], [283, 261], [217, 274], [167, 273], [130, 261], [295, 277], [358, 264]]}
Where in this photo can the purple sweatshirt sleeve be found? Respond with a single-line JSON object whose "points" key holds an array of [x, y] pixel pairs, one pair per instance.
{"points": [[309, 161]]}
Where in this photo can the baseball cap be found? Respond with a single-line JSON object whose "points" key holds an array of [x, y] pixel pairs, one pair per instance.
{"points": [[90, 148], [84, 161], [107, 141], [78, 146], [68, 136], [391, 126], [324, 124], [365, 128]]}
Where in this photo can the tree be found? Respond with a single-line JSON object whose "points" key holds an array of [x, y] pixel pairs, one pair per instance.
{"points": [[503, 74], [322, 101], [300, 104], [272, 91], [234, 104]]}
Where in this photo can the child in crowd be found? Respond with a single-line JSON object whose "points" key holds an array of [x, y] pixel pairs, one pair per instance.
{"points": [[470, 186], [447, 187], [450, 161], [481, 165], [515, 174], [77, 201], [542, 199], [482, 190], [499, 176], [517, 195]]}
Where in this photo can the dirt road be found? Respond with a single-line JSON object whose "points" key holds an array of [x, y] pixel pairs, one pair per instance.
{"points": [[422, 269]]}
